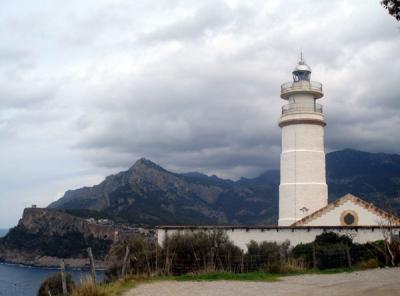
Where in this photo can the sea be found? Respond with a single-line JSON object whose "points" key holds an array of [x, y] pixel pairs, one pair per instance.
{"points": [[19, 280]]}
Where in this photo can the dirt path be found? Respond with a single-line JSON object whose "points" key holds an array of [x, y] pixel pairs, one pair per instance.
{"points": [[375, 282]]}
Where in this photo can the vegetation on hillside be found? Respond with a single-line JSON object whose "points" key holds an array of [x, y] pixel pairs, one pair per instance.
{"points": [[72, 244]]}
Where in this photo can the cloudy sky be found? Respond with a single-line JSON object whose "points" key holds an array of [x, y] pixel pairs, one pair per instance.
{"points": [[88, 87]]}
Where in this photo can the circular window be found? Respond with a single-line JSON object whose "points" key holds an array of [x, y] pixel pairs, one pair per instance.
{"points": [[349, 219]]}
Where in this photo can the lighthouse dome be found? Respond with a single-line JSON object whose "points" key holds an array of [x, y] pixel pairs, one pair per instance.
{"points": [[302, 66]]}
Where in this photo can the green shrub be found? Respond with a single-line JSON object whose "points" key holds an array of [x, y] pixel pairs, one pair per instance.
{"points": [[267, 256], [329, 250]]}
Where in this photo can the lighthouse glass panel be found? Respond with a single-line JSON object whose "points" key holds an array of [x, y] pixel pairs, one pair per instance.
{"points": [[301, 76]]}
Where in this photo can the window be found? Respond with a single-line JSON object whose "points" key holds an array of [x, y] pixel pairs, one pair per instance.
{"points": [[349, 219]]}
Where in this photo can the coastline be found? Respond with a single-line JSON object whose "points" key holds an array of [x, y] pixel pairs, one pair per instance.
{"points": [[5, 263], [49, 262]]}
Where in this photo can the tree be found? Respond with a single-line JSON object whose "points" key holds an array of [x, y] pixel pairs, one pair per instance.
{"points": [[393, 7]]}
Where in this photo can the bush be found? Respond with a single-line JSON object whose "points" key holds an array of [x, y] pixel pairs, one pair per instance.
{"points": [[53, 284], [206, 251], [266, 256], [194, 252], [141, 260], [365, 252], [329, 250]]}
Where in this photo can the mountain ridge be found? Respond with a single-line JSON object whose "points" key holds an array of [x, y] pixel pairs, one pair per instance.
{"points": [[148, 194]]}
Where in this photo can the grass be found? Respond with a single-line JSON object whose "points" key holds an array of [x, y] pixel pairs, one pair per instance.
{"points": [[118, 287]]}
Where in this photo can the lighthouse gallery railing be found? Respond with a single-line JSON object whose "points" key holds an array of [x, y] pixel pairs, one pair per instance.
{"points": [[301, 108], [311, 85]]}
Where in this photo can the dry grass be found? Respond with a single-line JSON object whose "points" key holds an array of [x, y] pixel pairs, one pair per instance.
{"points": [[368, 264], [292, 266], [87, 288]]}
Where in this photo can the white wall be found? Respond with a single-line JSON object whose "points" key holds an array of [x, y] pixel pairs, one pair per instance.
{"points": [[242, 236]]}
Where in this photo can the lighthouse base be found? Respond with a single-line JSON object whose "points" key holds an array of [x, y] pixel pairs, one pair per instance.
{"points": [[297, 200]]}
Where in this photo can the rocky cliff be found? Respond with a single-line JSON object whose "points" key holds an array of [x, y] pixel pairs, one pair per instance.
{"points": [[43, 236]]}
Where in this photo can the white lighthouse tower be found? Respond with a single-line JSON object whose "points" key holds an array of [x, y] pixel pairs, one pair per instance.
{"points": [[303, 188]]}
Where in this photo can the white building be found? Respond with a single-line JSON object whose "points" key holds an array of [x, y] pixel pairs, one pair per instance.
{"points": [[304, 211]]}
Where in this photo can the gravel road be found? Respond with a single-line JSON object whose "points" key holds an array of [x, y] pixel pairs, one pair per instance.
{"points": [[375, 282]]}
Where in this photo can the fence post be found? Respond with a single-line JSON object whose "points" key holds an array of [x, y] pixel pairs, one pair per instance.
{"points": [[156, 257], [211, 265], [63, 279], [314, 256], [348, 255], [242, 264], [92, 267], [167, 268], [125, 261]]}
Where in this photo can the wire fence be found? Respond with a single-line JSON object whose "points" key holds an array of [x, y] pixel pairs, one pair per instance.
{"points": [[196, 253]]}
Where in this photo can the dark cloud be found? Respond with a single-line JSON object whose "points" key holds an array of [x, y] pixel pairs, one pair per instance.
{"points": [[91, 86]]}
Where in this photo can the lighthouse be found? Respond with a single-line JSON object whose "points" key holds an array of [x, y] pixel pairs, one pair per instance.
{"points": [[302, 188]]}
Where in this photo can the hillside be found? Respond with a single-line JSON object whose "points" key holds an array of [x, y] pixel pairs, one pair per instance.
{"points": [[42, 236], [374, 177], [148, 194]]}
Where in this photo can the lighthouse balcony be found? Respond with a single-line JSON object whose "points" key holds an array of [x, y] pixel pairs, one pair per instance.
{"points": [[311, 87], [301, 108]]}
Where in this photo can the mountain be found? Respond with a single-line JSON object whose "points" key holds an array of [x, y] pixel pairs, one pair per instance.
{"points": [[375, 177], [148, 194]]}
